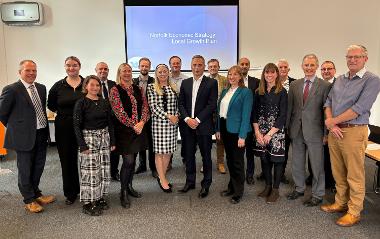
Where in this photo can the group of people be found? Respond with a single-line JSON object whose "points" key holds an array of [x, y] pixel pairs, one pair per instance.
{"points": [[98, 120]]}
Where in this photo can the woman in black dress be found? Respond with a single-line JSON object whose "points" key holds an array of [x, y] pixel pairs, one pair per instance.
{"points": [[271, 102], [132, 112], [61, 100], [94, 131]]}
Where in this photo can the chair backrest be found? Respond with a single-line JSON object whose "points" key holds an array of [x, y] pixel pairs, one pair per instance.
{"points": [[374, 136]]}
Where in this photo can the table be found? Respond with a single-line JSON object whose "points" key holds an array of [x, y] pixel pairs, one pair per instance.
{"points": [[375, 155]]}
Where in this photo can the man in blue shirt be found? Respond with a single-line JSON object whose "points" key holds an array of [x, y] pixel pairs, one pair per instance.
{"points": [[347, 110]]}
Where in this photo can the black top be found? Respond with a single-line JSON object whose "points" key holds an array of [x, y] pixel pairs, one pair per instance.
{"points": [[271, 105], [62, 97], [92, 115]]}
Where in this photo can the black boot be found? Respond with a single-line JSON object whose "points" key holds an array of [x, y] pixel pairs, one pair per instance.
{"points": [[102, 203], [124, 199], [92, 209], [133, 192]]}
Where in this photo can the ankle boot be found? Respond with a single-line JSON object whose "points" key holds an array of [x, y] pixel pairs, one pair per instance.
{"points": [[132, 192], [274, 195], [265, 193], [124, 199]]}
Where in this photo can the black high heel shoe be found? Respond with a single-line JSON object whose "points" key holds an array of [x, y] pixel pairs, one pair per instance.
{"points": [[169, 190]]}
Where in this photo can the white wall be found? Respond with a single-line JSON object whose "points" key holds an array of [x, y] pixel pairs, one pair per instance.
{"points": [[93, 30]]}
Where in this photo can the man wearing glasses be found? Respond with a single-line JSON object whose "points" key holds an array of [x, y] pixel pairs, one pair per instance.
{"points": [[328, 71], [347, 110]]}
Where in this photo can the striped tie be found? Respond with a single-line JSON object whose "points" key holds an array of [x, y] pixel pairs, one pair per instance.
{"points": [[38, 106]]}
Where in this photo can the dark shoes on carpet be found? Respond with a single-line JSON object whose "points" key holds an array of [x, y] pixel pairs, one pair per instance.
{"points": [[294, 195]]}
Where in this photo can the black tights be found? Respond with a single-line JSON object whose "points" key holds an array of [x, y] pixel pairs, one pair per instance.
{"points": [[267, 166], [127, 170]]}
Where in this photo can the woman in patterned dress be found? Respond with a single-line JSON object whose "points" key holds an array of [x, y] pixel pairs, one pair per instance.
{"points": [[271, 102], [163, 103], [132, 112], [95, 137]]}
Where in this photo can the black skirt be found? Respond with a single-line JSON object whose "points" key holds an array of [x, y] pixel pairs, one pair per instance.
{"points": [[128, 142]]}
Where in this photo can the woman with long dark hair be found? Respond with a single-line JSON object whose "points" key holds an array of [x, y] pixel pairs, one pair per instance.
{"points": [[271, 102]]}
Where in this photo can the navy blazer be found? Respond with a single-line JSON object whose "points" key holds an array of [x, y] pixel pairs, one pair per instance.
{"points": [[238, 113], [205, 104], [17, 113]]}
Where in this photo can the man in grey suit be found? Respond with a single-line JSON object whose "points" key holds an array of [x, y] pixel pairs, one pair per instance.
{"points": [[305, 123], [23, 112]]}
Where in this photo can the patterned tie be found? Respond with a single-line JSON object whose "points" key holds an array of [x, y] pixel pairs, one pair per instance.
{"points": [[38, 106], [105, 92], [306, 91]]}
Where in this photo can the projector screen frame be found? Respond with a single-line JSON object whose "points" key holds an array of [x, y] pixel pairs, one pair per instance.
{"points": [[182, 3]]}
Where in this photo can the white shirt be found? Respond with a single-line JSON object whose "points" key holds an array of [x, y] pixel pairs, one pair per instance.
{"points": [[196, 84], [27, 85], [225, 103], [177, 81], [106, 85], [246, 81]]}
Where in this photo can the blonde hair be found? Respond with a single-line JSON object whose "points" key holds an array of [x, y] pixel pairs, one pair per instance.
{"points": [[118, 72], [237, 69], [156, 83]]}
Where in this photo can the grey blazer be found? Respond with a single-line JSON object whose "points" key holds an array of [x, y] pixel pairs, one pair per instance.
{"points": [[308, 117], [18, 115]]}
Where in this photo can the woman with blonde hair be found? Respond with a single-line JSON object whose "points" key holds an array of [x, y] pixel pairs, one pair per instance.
{"points": [[163, 103], [132, 112], [233, 126]]}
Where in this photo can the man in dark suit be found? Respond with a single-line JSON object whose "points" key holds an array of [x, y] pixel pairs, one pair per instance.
{"points": [[328, 72], [283, 67], [143, 81], [102, 71], [252, 83], [197, 104], [23, 112], [305, 124]]}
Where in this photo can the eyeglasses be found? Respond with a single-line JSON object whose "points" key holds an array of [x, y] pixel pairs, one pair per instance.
{"points": [[354, 57], [327, 69]]}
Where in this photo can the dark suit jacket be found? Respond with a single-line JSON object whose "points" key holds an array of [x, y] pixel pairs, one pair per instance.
{"points": [[110, 84], [290, 79], [205, 104], [18, 115], [253, 84], [309, 116]]}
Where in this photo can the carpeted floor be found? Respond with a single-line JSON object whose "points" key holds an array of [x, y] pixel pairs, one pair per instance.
{"points": [[160, 215]]}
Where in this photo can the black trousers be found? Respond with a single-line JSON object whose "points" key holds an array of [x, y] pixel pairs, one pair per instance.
{"points": [[142, 154], [249, 154], [204, 142], [30, 165], [235, 159], [68, 155], [114, 158], [127, 170]]}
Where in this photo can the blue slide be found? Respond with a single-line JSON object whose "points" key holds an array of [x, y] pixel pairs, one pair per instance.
{"points": [[159, 32]]}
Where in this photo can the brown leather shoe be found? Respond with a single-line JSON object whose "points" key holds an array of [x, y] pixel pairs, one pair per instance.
{"points": [[221, 168], [34, 207], [333, 208], [348, 220], [45, 199]]}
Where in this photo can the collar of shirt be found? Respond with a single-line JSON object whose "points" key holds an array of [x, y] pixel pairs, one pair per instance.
{"points": [[27, 85], [143, 78], [200, 78], [104, 81], [360, 73], [312, 79]]}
